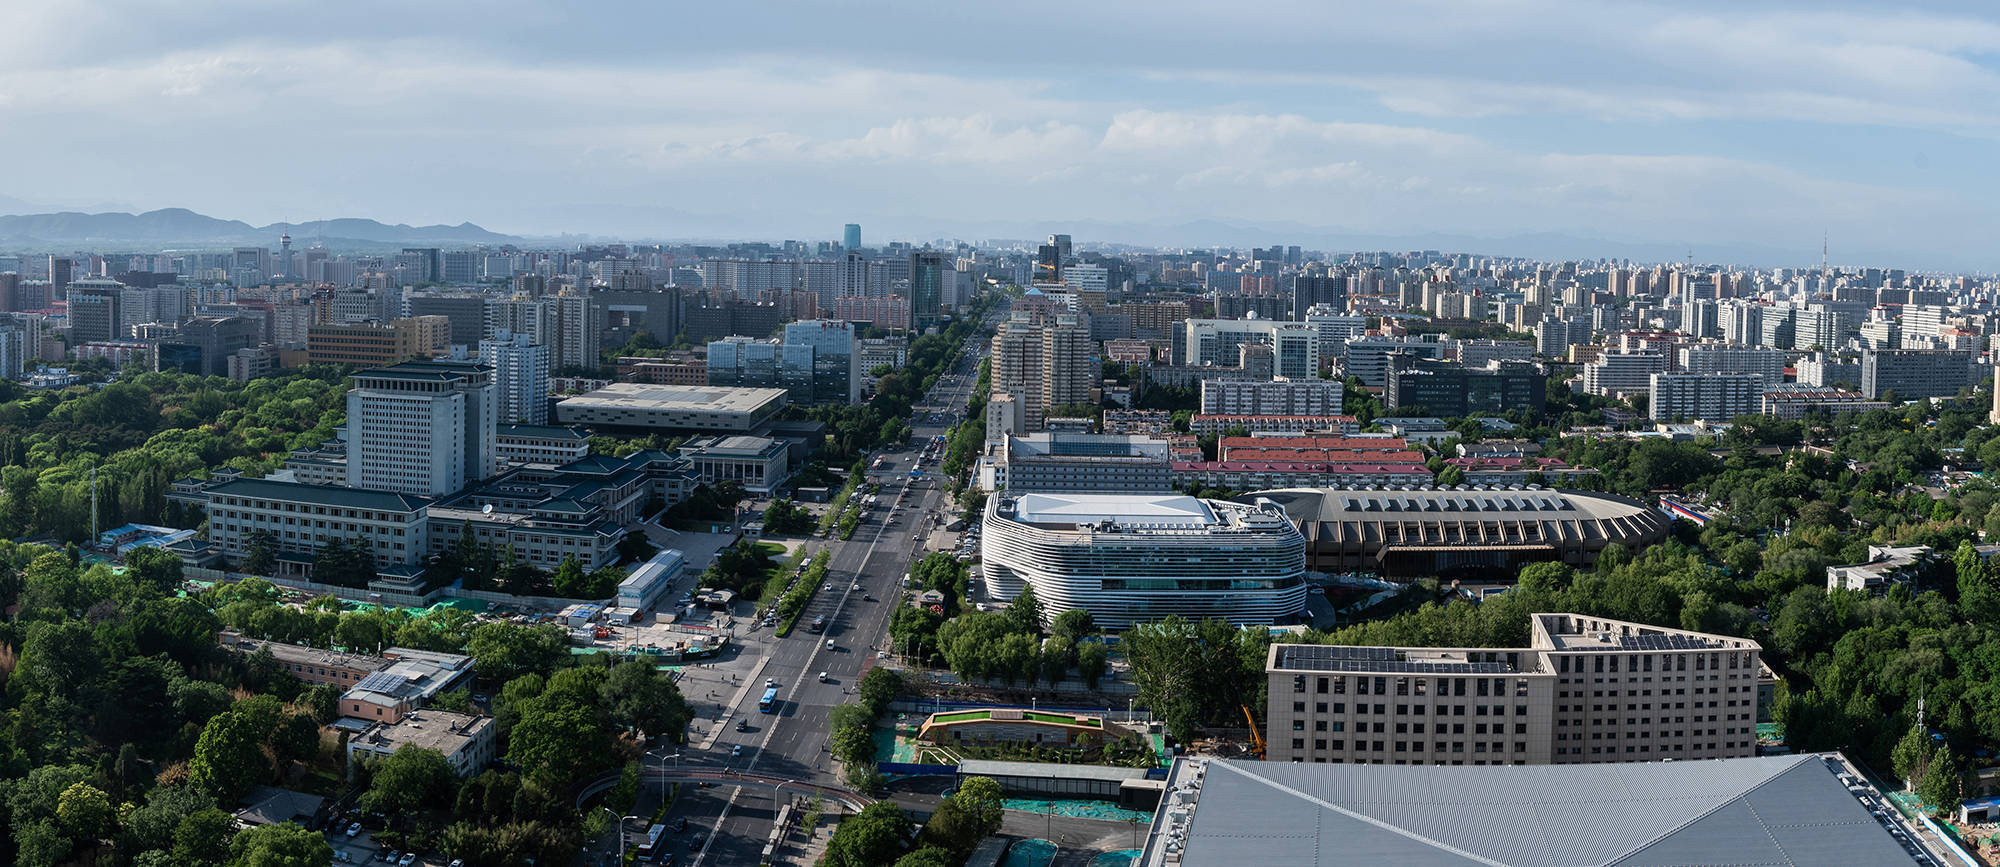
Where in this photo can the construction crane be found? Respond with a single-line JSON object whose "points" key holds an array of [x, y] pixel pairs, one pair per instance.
{"points": [[1256, 737]]}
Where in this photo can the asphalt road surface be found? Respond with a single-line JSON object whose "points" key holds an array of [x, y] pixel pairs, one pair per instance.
{"points": [[792, 742]]}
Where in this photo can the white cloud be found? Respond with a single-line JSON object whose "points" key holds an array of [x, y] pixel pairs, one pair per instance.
{"points": [[1406, 117]]}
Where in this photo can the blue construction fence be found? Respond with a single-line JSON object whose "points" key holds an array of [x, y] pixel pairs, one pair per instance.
{"points": [[930, 706], [915, 770]]}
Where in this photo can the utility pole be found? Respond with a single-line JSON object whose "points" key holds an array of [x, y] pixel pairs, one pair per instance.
{"points": [[93, 505]]}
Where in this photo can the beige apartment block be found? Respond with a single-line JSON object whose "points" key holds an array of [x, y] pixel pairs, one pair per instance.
{"points": [[1586, 689]]}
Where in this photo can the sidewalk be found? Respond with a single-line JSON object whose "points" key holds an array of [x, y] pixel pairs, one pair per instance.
{"points": [[723, 714]]}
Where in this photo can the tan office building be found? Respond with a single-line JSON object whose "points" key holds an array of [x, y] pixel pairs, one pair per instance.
{"points": [[1586, 689], [377, 343]]}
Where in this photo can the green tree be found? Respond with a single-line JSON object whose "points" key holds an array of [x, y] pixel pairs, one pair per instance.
{"points": [[569, 580], [229, 757], [978, 802], [1943, 785], [929, 856], [787, 518], [1025, 613], [1091, 661], [879, 687], [345, 564], [407, 780], [1057, 656], [1074, 624], [1543, 578], [557, 742], [39, 844], [504, 651], [83, 812], [154, 567], [1912, 755], [1978, 597], [637, 696], [878, 835], [280, 845], [1190, 673], [202, 837], [260, 555], [851, 728]]}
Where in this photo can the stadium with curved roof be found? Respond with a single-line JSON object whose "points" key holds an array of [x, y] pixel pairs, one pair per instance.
{"points": [[1468, 531]]}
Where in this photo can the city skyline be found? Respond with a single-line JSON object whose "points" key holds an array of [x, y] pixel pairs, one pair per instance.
{"points": [[1746, 136]]}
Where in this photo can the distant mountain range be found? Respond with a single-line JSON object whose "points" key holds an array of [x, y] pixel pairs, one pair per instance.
{"points": [[179, 227]]}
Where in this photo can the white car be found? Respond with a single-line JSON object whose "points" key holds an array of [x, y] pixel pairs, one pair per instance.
{"points": [[857, 586]]}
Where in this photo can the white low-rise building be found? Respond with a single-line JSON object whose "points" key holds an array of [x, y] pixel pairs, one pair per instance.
{"points": [[300, 519], [759, 464], [1135, 558], [467, 742]]}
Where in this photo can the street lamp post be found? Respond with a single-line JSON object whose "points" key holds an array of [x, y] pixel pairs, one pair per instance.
{"points": [[620, 830], [663, 770]]}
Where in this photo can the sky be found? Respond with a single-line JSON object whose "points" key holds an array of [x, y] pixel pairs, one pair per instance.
{"points": [[1715, 126]]}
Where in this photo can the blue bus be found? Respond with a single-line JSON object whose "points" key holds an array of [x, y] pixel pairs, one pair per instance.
{"points": [[769, 703]]}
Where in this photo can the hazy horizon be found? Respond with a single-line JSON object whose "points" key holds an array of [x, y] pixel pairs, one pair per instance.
{"points": [[1694, 125]]}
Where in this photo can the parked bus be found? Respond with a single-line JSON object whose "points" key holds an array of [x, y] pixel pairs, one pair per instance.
{"points": [[769, 703], [652, 848]]}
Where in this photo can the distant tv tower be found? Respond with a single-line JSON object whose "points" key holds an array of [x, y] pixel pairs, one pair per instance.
{"points": [[285, 253], [1824, 269]]}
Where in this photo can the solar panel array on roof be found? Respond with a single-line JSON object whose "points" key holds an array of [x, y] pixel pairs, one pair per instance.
{"points": [[382, 681], [1338, 651], [1669, 641], [1324, 657]]}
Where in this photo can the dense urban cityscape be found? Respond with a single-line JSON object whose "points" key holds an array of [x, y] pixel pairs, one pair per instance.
{"points": [[823, 551], [885, 434]]}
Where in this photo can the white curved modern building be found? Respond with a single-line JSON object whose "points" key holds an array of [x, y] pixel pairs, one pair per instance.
{"points": [[1132, 558]]}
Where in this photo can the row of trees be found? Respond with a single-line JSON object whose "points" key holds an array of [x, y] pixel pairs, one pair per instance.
{"points": [[852, 430], [1008, 645], [851, 728]]}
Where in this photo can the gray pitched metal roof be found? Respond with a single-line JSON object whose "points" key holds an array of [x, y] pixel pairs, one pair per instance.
{"points": [[1784, 810], [323, 495]]}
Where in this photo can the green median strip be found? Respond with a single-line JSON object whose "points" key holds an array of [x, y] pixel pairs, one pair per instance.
{"points": [[793, 603]]}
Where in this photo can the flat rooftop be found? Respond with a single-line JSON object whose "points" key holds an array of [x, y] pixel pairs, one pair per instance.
{"points": [[1618, 641], [439, 730], [1154, 510], [706, 398]]}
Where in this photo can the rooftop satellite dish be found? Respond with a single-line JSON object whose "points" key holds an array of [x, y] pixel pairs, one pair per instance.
{"points": [[486, 509]]}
